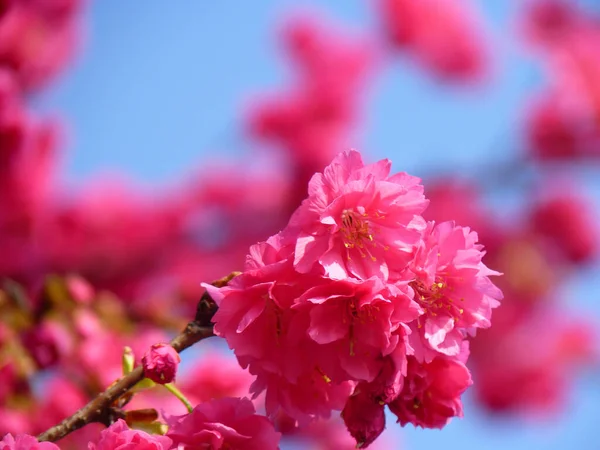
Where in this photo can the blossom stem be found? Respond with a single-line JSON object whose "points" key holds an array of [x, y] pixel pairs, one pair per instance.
{"points": [[177, 393], [105, 407]]}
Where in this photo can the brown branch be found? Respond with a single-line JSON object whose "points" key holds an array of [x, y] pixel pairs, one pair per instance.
{"points": [[103, 408]]}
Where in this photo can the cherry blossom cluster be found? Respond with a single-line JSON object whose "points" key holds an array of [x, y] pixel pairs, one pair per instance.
{"points": [[360, 303]]}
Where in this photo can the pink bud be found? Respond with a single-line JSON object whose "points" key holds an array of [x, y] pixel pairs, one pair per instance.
{"points": [[160, 363], [364, 418]]}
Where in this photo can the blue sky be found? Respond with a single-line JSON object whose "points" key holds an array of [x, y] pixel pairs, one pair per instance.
{"points": [[159, 86]]}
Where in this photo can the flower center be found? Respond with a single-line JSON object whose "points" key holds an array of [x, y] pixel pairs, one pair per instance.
{"points": [[357, 233], [435, 299]]}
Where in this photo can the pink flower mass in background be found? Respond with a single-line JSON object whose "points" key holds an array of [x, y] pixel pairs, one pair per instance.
{"points": [[364, 294]]}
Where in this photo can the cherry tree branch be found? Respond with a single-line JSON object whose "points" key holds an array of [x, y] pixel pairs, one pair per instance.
{"points": [[104, 408]]}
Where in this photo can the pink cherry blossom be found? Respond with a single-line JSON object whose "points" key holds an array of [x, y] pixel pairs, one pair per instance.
{"points": [[431, 393], [25, 442], [358, 220], [120, 437], [453, 288], [221, 424]]}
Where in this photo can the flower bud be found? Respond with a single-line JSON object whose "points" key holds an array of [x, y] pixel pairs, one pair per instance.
{"points": [[128, 360], [160, 363], [364, 418]]}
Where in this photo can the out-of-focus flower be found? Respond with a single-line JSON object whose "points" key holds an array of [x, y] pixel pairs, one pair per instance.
{"points": [[13, 420], [565, 121], [80, 289], [62, 398], [443, 35], [532, 271], [25, 442], [318, 115], [37, 38], [546, 22], [559, 131], [8, 379], [47, 342], [120, 437], [96, 355], [28, 155], [80, 439], [224, 423], [458, 201], [160, 363], [525, 364], [330, 434], [566, 220], [214, 376]]}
